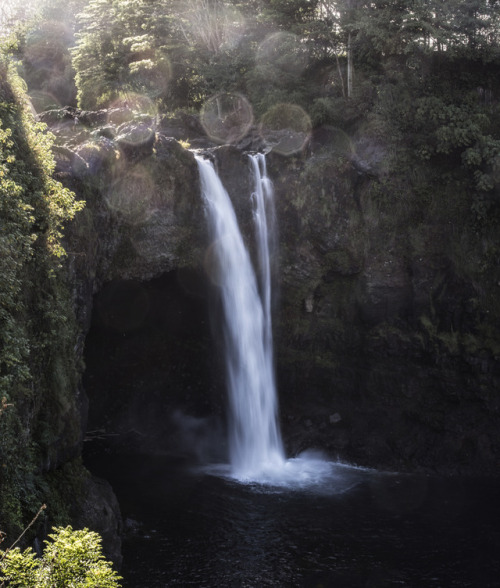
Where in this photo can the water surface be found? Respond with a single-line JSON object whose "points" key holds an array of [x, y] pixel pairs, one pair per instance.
{"points": [[189, 528]]}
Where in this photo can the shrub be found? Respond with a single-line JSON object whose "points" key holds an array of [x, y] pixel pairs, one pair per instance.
{"points": [[71, 559]]}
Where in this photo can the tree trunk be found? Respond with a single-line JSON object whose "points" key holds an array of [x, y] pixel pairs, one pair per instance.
{"points": [[350, 71]]}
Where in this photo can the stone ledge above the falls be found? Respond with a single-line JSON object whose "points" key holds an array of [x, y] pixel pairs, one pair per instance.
{"points": [[143, 215]]}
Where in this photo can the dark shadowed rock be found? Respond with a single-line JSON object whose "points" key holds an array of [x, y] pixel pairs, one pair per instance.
{"points": [[181, 125], [99, 510], [136, 138]]}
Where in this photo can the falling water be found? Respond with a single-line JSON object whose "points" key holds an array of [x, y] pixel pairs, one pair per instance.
{"points": [[265, 229], [254, 437], [256, 450]]}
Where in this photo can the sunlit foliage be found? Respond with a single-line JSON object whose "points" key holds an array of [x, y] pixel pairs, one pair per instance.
{"points": [[71, 558], [36, 332], [125, 46]]}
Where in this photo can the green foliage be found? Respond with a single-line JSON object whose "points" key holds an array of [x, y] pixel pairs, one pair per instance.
{"points": [[122, 47], [286, 116], [287, 13], [40, 44], [46, 64], [71, 559], [181, 54], [325, 111], [37, 328]]}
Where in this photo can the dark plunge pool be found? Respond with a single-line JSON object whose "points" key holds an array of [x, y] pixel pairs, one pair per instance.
{"points": [[185, 527]]}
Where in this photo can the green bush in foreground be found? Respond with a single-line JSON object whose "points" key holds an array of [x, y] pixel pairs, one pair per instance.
{"points": [[71, 559]]}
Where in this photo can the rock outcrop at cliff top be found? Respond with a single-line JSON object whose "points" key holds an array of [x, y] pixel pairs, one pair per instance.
{"points": [[143, 215]]}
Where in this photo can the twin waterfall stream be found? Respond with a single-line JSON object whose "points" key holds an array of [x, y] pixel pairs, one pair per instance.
{"points": [[254, 436], [255, 445]]}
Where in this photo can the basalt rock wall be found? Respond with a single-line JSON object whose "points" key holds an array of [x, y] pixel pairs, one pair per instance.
{"points": [[137, 251], [388, 341]]}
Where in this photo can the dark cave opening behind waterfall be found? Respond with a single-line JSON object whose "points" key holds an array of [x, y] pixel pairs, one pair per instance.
{"points": [[153, 372]]}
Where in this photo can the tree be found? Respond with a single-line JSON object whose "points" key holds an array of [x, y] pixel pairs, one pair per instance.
{"points": [[14, 12], [39, 41], [209, 24], [123, 46], [342, 23], [290, 14]]}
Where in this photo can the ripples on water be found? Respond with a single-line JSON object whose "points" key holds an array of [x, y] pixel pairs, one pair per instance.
{"points": [[348, 527]]}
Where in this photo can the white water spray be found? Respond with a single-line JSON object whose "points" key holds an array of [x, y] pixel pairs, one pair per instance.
{"points": [[254, 437]]}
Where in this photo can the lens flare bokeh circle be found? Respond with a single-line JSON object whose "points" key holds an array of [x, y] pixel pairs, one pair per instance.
{"points": [[286, 128], [227, 117]]}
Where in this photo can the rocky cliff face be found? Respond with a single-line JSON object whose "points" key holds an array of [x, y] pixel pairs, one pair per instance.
{"points": [[142, 219], [387, 339], [388, 344], [388, 335]]}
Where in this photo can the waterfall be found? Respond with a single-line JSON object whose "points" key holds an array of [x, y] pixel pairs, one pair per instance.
{"points": [[255, 446], [265, 230], [254, 437]]}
